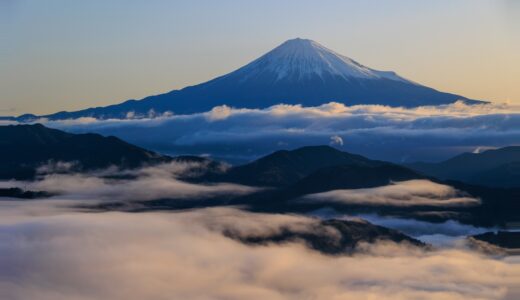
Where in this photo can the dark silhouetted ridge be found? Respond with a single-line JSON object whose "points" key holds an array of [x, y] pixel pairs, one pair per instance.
{"points": [[25, 148]]}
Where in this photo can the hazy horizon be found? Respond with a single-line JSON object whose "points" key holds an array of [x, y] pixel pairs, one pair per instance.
{"points": [[69, 55]]}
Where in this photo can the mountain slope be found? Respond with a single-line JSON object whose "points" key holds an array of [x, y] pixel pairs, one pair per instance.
{"points": [[24, 148], [503, 239], [298, 71], [499, 168], [283, 168]]}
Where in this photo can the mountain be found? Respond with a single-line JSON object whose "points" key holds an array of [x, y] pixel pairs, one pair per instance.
{"points": [[506, 175], [25, 148], [299, 71], [283, 168], [314, 169], [332, 237], [497, 168]]}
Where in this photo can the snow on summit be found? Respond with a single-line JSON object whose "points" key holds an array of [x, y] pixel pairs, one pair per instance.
{"points": [[303, 58], [297, 72]]}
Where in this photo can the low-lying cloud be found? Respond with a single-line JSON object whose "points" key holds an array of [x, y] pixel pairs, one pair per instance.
{"points": [[407, 134], [184, 256], [112, 184], [411, 227], [50, 250], [403, 194]]}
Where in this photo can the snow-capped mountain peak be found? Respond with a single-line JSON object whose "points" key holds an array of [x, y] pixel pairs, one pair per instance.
{"points": [[298, 72], [302, 58]]}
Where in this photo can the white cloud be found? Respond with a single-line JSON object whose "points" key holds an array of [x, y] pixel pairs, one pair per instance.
{"points": [[404, 193], [429, 132], [147, 183], [336, 140], [411, 227], [57, 167], [219, 113], [48, 251], [130, 115], [180, 256]]}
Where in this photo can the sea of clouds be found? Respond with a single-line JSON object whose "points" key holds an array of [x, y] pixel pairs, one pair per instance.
{"points": [[55, 248], [60, 254], [382, 132], [112, 184]]}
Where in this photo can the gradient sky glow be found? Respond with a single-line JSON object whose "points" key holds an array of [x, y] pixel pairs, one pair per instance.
{"points": [[70, 54]]}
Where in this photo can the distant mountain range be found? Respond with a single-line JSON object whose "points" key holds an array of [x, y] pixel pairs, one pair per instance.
{"points": [[299, 71], [498, 168], [26, 148], [291, 175]]}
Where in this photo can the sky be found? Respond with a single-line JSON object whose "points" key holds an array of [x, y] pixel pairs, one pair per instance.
{"points": [[67, 54]]}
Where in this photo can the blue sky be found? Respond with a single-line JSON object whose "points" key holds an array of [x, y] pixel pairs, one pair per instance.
{"points": [[65, 55]]}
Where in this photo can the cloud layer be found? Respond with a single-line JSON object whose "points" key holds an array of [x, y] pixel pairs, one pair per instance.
{"points": [[184, 256], [405, 194], [429, 133], [50, 250], [112, 184]]}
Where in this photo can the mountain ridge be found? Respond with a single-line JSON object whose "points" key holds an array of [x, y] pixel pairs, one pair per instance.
{"points": [[495, 167], [26, 148], [286, 167]]}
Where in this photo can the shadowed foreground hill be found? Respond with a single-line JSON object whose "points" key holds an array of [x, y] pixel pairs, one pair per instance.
{"points": [[25, 148]]}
